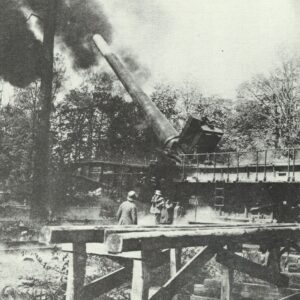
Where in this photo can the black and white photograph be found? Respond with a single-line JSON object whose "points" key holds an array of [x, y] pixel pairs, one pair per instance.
{"points": [[149, 149]]}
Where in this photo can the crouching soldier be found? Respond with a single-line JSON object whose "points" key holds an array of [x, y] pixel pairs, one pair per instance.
{"points": [[127, 213]]}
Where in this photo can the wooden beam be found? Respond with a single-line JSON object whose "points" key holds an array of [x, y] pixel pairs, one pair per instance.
{"points": [[243, 265], [227, 278], [181, 278], [141, 278], [119, 230], [123, 242], [107, 283], [96, 233], [227, 283], [71, 234], [76, 272], [175, 261], [171, 228]]}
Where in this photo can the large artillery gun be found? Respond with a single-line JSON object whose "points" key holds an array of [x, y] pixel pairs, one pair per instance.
{"points": [[198, 134], [194, 167]]}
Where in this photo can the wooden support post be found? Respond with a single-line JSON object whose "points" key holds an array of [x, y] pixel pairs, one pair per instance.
{"points": [[227, 283], [76, 273], [175, 261], [141, 277]]}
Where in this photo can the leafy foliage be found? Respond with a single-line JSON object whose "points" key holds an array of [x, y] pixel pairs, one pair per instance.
{"points": [[98, 120], [274, 101], [95, 122], [16, 147]]}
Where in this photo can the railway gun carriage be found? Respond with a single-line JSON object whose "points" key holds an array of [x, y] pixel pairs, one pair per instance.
{"points": [[189, 164]]}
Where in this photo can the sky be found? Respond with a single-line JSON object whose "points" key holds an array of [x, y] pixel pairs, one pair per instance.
{"points": [[216, 44]]}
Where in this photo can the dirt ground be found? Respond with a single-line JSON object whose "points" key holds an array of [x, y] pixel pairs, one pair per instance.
{"points": [[31, 273]]}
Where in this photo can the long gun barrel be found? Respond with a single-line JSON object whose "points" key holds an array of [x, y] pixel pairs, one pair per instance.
{"points": [[197, 134], [162, 128]]}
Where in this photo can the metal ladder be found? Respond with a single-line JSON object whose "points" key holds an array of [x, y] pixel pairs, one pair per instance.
{"points": [[219, 196]]}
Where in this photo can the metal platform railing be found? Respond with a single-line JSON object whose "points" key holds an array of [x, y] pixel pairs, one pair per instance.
{"points": [[259, 165]]}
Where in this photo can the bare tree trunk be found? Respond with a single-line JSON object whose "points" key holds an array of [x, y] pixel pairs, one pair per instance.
{"points": [[40, 197]]}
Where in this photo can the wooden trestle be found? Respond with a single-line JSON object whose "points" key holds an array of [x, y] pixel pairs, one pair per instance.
{"points": [[140, 248]]}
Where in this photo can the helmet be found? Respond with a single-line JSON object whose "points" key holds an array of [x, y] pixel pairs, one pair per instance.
{"points": [[131, 195], [158, 192]]}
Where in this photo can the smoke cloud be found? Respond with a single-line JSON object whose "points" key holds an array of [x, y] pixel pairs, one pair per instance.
{"points": [[77, 22], [141, 72], [21, 51]]}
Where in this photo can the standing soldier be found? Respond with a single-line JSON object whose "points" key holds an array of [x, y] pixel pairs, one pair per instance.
{"points": [[157, 203], [167, 212], [178, 212], [127, 213]]}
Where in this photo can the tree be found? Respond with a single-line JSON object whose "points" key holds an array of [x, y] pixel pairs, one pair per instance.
{"points": [[16, 146], [177, 103], [277, 97], [40, 196], [165, 97], [97, 121], [247, 128]]}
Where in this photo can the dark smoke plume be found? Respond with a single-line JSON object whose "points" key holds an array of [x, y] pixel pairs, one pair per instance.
{"points": [[20, 51], [84, 20], [77, 22]]}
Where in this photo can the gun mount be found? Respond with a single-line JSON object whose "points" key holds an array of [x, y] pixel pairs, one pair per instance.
{"points": [[197, 134]]}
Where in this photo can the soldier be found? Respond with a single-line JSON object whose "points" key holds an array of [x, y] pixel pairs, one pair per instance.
{"points": [[127, 213], [167, 212], [157, 203], [178, 212]]}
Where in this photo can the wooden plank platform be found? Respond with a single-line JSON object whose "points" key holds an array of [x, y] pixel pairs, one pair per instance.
{"points": [[97, 233], [145, 247], [123, 242]]}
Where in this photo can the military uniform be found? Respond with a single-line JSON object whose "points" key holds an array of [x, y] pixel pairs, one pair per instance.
{"points": [[167, 213], [157, 205], [127, 213]]}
